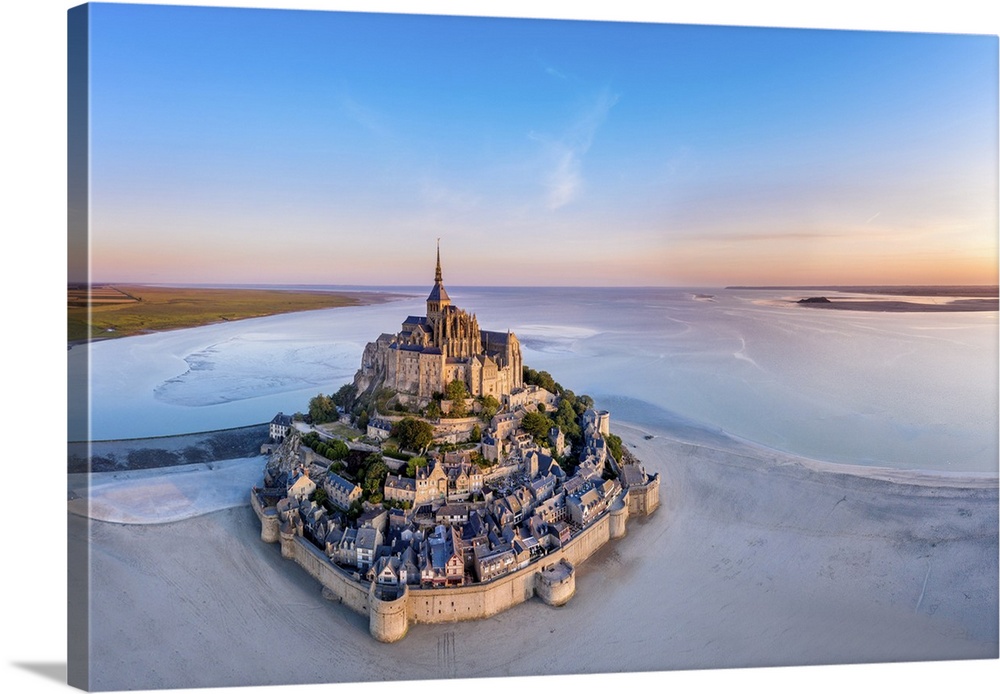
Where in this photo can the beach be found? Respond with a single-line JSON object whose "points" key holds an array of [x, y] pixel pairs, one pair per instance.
{"points": [[755, 558]]}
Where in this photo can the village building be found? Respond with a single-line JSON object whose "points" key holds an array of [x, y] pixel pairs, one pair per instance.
{"points": [[378, 429], [339, 491], [279, 427], [301, 486]]}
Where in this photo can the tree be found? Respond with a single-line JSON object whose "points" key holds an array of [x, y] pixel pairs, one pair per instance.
{"points": [[322, 409], [476, 435], [374, 479], [615, 446], [489, 406], [456, 390], [457, 393], [338, 450], [413, 434], [542, 379], [345, 396], [363, 420], [476, 458], [434, 409], [458, 409], [413, 463], [566, 419], [536, 424]]}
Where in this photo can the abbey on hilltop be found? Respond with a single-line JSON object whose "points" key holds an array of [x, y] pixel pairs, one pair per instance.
{"points": [[431, 351]]}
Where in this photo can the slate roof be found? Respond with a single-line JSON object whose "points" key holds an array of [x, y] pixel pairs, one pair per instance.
{"points": [[400, 482], [633, 475], [338, 482], [438, 293], [367, 538]]}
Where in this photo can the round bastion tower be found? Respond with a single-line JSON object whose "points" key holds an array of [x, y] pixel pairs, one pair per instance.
{"points": [[388, 620], [555, 584], [619, 516]]}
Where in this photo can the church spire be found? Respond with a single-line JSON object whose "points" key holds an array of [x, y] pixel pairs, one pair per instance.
{"points": [[438, 298], [437, 272]]}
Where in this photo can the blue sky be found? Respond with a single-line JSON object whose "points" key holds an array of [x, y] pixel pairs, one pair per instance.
{"points": [[293, 146]]}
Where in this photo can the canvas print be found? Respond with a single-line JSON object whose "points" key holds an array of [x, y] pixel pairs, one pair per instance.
{"points": [[412, 347]]}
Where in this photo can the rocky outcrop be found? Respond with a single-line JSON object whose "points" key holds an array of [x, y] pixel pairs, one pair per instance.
{"points": [[285, 458]]}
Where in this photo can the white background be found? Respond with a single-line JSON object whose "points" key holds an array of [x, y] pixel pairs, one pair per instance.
{"points": [[33, 42]]}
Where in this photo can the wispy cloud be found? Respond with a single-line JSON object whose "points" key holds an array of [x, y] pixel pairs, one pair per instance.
{"points": [[566, 152], [550, 69], [365, 116]]}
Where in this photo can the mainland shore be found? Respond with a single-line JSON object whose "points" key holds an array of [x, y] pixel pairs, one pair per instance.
{"points": [[755, 558], [106, 311]]}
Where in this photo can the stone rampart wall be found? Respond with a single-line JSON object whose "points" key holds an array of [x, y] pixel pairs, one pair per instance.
{"points": [[430, 605], [336, 583]]}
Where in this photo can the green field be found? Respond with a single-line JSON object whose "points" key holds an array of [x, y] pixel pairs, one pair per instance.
{"points": [[122, 310]]}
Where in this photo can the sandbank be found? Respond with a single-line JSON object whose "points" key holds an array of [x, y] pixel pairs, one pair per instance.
{"points": [[957, 306], [755, 558]]}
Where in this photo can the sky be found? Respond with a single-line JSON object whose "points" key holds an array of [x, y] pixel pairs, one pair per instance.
{"points": [[280, 146]]}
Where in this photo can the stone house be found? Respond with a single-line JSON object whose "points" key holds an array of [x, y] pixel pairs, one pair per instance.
{"points": [[452, 514], [560, 532], [368, 540], [341, 492], [386, 571], [557, 442], [279, 427], [431, 484], [490, 565], [379, 429], [399, 488], [585, 506], [346, 551], [301, 486]]}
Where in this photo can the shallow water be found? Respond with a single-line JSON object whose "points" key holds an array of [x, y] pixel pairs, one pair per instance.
{"points": [[908, 390]]}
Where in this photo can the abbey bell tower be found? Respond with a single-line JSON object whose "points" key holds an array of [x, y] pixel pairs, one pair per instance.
{"points": [[438, 299]]}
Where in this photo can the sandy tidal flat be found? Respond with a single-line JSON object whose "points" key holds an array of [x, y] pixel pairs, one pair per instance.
{"points": [[755, 558]]}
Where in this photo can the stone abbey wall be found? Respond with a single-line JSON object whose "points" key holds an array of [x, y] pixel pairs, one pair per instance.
{"points": [[552, 579]]}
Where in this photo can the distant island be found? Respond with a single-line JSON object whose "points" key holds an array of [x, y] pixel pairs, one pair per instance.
{"points": [[963, 298], [957, 305], [103, 311], [448, 481], [978, 290]]}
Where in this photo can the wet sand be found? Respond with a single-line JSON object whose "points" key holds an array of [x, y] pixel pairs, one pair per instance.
{"points": [[755, 558]]}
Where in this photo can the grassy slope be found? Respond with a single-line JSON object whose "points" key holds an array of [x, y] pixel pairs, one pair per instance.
{"points": [[169, 308]]}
